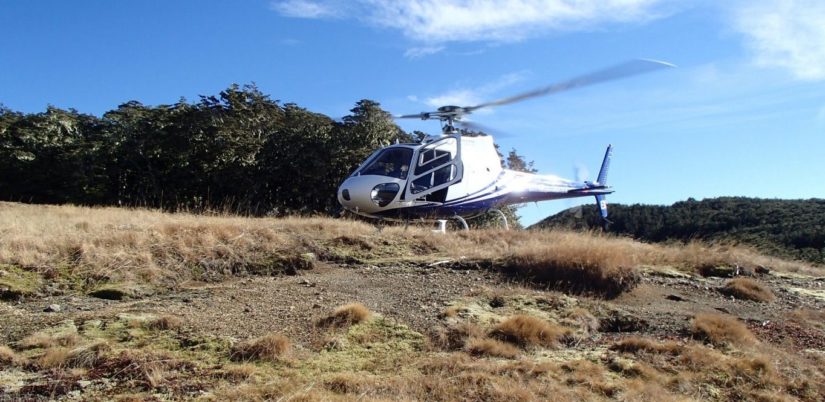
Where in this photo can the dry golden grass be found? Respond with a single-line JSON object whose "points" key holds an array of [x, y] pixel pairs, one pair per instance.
{"points": [[345, 315], [83, 356], [491, 348], [748, 289], [44, 340], [812, 318], [526, 331], [690, 370], [636, 344], [271, 347], [721, 330], [238, 372], [455, 337], [8, 357], [165, 322], [124, 247], [350, 383]]}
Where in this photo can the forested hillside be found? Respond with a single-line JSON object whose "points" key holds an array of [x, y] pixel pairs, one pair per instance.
{"points": [[790, 228]]}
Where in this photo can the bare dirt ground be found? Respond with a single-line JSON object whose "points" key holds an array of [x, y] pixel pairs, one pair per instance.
{"points": [[416, 296]]}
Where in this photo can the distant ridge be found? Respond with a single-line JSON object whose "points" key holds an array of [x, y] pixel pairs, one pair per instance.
{"points": [[786, 228]]}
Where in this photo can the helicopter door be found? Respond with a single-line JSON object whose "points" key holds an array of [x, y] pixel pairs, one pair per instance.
{"points": [[437, 166]]}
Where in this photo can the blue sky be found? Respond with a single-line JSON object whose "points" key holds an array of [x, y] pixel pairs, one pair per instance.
{"points": [[743, 114]]}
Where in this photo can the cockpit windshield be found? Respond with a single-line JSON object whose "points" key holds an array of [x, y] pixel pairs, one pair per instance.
{"points": [[392, 162]]}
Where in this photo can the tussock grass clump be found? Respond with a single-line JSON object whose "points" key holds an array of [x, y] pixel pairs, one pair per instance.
{"points": [[455, 337], [492, 348], [526, 331], [345, 315], [748, 289], [238, 372], [8, 357], [636, 344], [575, 263], [270, 348], [165, 322], [350, 383], [721, 330], [45, 340], [84, 356]]}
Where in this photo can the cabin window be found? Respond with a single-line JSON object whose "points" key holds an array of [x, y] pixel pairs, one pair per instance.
{"points": [[433, 179], [431, 158], [392, 162]]}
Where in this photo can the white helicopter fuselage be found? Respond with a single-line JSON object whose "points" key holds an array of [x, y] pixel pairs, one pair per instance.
{"points": [[449, 176]]}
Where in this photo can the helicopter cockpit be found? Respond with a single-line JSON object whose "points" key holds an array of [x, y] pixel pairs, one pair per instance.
{"points": [[404, 174], [392, 162]]}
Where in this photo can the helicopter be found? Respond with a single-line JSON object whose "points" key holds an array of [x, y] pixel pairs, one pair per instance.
{"points": [[455, 176]]}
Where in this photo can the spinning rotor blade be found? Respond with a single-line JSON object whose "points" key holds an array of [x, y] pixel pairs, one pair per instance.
{"points": [[422, 116], [480, 128], [623, 70], [581, 173]]}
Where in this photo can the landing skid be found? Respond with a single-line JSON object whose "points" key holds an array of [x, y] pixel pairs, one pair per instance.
{"points": [[442, 224]]}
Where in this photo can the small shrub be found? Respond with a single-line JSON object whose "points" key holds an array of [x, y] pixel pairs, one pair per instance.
{"points": [[721, 330], [748, 289], [347, 314], [491, 347], [270, 347], [524, 331]]}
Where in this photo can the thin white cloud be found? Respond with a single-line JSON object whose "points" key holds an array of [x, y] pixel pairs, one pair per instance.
{"points": [[788, 34], [419, 52], [305, 8], [439, 21], [502, 20]]}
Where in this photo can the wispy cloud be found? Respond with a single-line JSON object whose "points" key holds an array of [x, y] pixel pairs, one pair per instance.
{"points": [[306, 8], [419, 52], [788, 34], [502, 20], [439, 21]]}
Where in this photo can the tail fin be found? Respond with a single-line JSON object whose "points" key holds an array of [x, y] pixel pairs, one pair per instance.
{"points": [[601, 202], [602, 179]]}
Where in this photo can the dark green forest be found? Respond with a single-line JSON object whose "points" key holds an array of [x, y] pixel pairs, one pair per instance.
{"points": [[237, 152], [786, 228]]}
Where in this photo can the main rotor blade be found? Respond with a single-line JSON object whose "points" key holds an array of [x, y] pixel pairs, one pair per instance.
{"points": [[623, 70], [480, 128], [423, 116]]}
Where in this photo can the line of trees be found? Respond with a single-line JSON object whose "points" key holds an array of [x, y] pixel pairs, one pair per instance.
{"points": [[238, 151]]}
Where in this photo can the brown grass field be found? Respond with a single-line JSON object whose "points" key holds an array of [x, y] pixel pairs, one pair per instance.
{"points": [[133, 304]]}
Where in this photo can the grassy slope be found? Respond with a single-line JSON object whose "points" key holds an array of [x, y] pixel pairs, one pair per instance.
{"points": [[787, 228], [523, 345]]}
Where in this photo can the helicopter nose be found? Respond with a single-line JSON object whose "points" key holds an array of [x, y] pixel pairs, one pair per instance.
{"points": [[345, 194]]}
